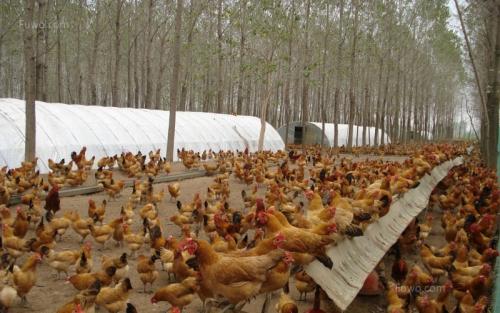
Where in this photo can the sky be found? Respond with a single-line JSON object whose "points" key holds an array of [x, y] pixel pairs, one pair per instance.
{"points": [[454, 24], [453, 21]]}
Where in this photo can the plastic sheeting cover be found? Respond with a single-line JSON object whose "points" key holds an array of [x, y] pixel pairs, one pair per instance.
{"points": [[343, 133], [354, 259], [107, 131]]}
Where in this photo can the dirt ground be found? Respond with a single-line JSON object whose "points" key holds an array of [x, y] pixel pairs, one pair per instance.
{"points": [[50, 294]]}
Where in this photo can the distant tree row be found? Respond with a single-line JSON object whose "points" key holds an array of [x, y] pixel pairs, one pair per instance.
{"points": [[392, 64]]}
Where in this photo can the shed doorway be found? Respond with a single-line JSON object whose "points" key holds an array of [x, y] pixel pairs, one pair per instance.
{"points": [[298, 133]]}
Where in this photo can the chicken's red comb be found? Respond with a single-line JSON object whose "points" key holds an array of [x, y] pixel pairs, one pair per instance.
{"points": [[486, 268], [78, 309], [332, 209], [288, 258], [189, 245], [479, 307], [279, 236], [489, 217], [474, 228], [493, 252], [332, 228], [308, 192], [175, 309], [262, 217]]}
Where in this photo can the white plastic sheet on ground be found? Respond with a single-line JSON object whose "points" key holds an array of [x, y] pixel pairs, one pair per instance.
{"points": [[354, 259], [107, 131]]}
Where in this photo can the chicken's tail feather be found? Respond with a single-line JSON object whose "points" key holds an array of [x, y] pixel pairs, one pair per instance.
{"points": [[325, 260]]}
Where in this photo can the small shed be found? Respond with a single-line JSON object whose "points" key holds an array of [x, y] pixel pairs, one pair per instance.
{"points": [[310, 134]]}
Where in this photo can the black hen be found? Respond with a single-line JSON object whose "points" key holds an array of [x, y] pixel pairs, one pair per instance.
{"points": [[131, 308]]}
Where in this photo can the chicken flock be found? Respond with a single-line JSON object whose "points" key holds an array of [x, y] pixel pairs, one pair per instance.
{"points": [[460, 270], [293, 206]]}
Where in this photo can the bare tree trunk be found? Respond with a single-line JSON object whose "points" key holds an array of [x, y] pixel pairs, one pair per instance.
{"points": [[324, 98], [41, 67], [93, 58], [189, 56], [219, 57], [484, 135], [3, 87], [378, 109], [131, 43], [305, 78], [228, 107], [289, 72], [149, 43], [402, 137], [108, 84], [68, 81], [58, 52], [411, 100], [263, 114], [239, 100], [384, 105], [394, 133], [426, 119], [324, 90], [337, 80], [492, 96], [367, 106], [352, 100], [115, 94], [78, 72], [129, 80], [175, 81], [470, 118], [29, 82], [137, 86], [416, 102], [161, 71]]}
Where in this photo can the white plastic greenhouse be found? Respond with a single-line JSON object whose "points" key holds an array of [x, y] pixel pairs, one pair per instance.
{"points": [[107, 131], [312, 134]]}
